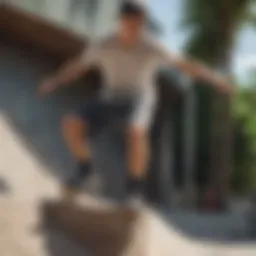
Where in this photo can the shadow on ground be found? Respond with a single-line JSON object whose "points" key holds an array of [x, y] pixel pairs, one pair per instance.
{"points": [[58, 244], [37, 122], [4, 187]]}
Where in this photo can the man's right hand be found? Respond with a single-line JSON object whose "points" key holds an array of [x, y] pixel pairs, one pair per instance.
{"points": [[47, 86]]}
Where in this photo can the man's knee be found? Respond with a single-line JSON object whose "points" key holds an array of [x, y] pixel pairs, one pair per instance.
{"points": [[137, 134], [72, 123]]}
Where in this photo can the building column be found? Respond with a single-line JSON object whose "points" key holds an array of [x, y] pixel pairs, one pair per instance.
{"points": [[56, 10], [106, 17]]}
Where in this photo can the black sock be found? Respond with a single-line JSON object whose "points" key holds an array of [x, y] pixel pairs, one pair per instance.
{"points": [[135, 185]]}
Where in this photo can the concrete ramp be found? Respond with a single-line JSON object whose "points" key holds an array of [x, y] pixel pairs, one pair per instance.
{"points": [[20, 214]]}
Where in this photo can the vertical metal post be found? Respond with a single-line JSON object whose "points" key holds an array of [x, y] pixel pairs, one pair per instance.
{"points": [[166, 172], [189, 146]]}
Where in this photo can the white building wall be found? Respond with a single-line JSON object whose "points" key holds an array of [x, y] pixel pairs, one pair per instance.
{"points": [[74, 14], [106, 17]]}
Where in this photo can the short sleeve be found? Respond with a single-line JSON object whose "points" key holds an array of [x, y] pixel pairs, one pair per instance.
{"points": [[91, 54], [163, 55]]}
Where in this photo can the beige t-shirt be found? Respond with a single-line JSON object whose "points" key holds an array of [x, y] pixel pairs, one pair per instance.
{"points": [[129, 72]]}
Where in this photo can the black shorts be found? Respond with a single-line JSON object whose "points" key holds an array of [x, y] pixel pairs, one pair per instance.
{"points": [[98, 113]]}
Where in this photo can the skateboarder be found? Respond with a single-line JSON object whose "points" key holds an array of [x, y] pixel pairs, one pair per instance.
{"points": [[128, 60]]}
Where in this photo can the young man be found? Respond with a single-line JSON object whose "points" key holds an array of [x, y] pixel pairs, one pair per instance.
{"points": [[128, 61]]}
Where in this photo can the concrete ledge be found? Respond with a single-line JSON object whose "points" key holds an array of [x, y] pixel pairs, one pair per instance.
{"points": [[104, 232]]}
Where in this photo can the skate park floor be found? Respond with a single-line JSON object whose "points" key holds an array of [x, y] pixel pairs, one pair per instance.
{"points": [[33, 158]]}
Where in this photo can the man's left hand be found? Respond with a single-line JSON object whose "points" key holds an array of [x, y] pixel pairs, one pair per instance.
{"points": [[223, 86]]}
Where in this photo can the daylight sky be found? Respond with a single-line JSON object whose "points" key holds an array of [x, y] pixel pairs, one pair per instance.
{"points": [[168, 12]]}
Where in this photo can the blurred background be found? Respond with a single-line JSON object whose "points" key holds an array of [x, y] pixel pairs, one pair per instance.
{"points": [[204, 142]]}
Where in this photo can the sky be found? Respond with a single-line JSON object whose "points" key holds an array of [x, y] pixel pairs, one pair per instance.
{"points": [[169, 13]]}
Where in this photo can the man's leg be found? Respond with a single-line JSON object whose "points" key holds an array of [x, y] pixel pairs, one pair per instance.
{"points": [[137, 159], [75, 132], [75, 129], [138, 146]]}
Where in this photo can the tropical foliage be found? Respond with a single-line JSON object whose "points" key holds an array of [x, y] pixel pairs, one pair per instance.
{"points": [[244, 175], [213, 26]]}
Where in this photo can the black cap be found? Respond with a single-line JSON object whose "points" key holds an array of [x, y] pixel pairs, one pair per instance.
{"points": [[129, 8]]}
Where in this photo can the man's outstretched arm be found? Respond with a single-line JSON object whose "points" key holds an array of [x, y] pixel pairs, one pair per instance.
{"points": [[72, 70], [199, 71], [196, 70], [68, 73]]}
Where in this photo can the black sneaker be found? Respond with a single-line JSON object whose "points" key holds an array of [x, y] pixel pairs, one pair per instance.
{"points": [[135, 201], [83, 179], [93, 184], [135, 189]]}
